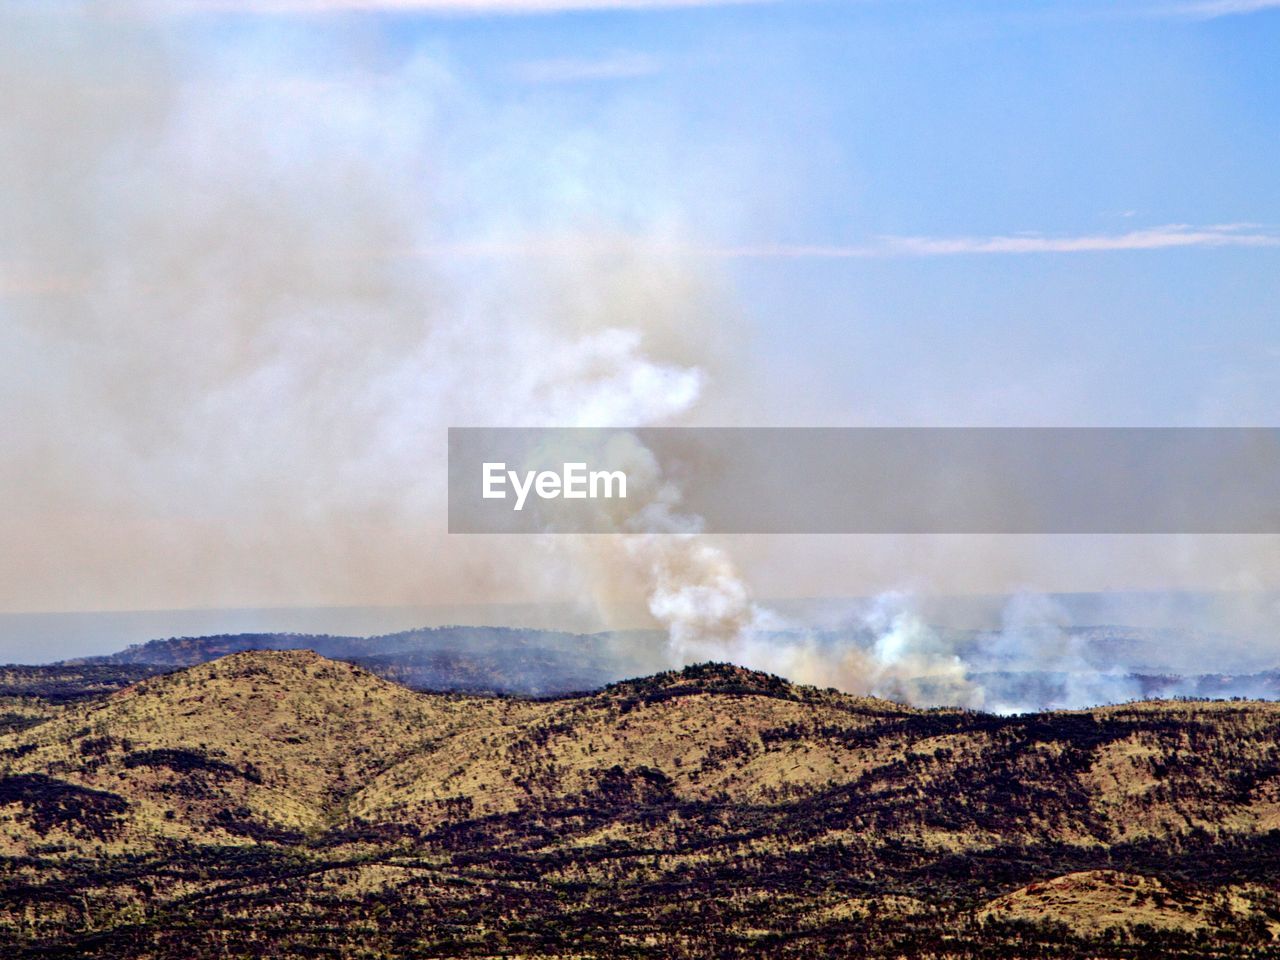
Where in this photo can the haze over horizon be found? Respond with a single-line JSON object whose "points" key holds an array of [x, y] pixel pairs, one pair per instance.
{"points": [[1004, 654], [256, 257]]}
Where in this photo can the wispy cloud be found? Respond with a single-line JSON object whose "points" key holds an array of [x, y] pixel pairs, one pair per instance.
{"points": [[1211, 9], [621, 66], [1154, 238], [1170, 237], [447, 7]]}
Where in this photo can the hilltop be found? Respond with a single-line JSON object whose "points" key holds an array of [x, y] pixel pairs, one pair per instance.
{"points": [[276, 802]]}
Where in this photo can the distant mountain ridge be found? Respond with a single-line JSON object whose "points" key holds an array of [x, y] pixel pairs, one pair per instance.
{"points": [[503, 660], [530, 662]]}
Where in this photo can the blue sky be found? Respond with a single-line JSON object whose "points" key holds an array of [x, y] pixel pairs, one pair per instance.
{"points": [[788, 125]]}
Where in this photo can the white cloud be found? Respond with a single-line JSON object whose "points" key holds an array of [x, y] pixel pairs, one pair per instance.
{"points": [[1210, 9], [621, 66], [1169, 237], [1153, 238]]}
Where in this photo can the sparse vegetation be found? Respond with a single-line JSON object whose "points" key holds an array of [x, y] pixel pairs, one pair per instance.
{"points": [[277, 804]]}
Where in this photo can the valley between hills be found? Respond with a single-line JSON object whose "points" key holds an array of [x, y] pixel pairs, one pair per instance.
{"points": [[275, 803]]}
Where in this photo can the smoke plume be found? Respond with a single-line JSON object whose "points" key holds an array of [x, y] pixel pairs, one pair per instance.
{"points": [[237, 322], [246, 283]]}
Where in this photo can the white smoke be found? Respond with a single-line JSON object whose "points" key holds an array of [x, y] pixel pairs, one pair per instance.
{"points": [[236, 324], [911, 661], [1046, 666], [238, 265], [237, 317]]}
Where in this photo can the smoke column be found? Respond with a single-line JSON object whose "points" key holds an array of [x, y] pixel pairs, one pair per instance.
{"points": [[245, 287]]}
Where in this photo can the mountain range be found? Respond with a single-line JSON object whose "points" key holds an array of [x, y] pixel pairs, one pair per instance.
{"points": [[277, 803]]}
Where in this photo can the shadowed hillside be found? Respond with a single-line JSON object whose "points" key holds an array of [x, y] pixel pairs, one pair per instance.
{"points": [[279, 803], [467, 659]]}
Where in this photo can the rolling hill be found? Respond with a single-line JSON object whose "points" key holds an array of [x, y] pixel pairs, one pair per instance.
{"points": [[278, 803]]}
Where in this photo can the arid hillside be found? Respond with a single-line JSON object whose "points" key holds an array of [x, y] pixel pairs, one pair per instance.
{"points": [[275, 803]]}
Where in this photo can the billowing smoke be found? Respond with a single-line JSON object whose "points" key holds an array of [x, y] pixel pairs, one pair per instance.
{"points": [[242, 319], [1037, 657], [1040, 663], [890, 653], [247, 283], [697, 593], [238, 317]]}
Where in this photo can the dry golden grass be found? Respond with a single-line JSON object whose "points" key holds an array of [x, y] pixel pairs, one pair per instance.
{"points": [[307, 732], [1092, 901], [305, 744]]}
